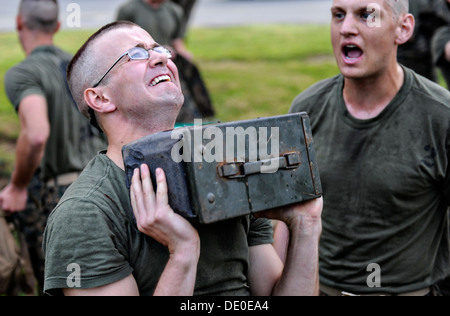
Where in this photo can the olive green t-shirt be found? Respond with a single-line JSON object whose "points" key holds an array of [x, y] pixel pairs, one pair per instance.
{"points": [[93, 227], [386, 184], [165, 23], [73, 142]]}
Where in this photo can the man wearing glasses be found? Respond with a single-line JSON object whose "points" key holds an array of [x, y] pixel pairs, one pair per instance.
{"points": [[127, 83], [55, 141], [166, 22]]}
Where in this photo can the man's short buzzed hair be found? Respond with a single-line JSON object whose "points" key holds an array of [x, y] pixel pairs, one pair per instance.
{"points": [[398, 7], [40, 15], [84, 70]]}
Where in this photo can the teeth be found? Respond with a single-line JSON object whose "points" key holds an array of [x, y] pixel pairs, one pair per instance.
{"points": [[159, 79], [352, 51]]}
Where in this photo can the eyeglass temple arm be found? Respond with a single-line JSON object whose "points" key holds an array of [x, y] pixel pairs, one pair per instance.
{"points": [[117, 61]]}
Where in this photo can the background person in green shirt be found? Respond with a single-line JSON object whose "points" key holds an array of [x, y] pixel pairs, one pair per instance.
{"points": [[162, 254], [56, 142], [382, 139], [416, 54], [441, 52], [441, 58], [187, 6]]}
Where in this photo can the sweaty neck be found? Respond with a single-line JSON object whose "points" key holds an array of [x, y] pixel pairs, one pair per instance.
{"points": [[367, 98], [120, 134]]}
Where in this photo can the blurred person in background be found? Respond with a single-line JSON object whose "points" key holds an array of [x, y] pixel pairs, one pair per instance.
{"points": [[430, 16], [441, 50], [187, 6], [441, 58]]}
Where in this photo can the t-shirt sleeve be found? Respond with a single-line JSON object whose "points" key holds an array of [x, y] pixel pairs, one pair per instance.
{"points": [[297, 104], [82, 248], [20, 83], [260, 233]]}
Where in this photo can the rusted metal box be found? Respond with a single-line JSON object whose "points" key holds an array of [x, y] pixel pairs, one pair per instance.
{"points": [[220, 171]]}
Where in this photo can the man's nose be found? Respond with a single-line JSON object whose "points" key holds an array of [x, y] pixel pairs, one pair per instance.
{"points": [[157, 59], [349, 26]]}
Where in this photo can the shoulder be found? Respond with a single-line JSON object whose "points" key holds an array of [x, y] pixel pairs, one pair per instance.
{"points": [[89, 227], [101, 186], [131, 4], [23, 68], [62, 54], [430, 94], [316, 94], [23, 80], [175, 8], [41, 60], [128, 8]]}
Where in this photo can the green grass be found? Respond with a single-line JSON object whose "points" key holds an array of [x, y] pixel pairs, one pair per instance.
{"points": [[251, 71], [258, 70]]}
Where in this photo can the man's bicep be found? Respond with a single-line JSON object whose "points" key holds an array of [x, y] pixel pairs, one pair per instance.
{"points": [[265, 269], [79, 234]]}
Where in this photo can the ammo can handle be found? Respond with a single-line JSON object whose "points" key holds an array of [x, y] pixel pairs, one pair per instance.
{"points": [[243, 169]]}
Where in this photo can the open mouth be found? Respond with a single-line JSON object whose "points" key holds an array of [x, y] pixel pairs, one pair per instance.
{"points": [[352, 52], [160, 79]]}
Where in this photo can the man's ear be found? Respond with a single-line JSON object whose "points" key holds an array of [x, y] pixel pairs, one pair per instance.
{"points": [[58, 27], [19, 23], [406, 29], [98, 100]]}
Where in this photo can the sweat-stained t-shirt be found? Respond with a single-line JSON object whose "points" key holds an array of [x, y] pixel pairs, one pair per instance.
{"points": [[386, 184], [93, 227]]}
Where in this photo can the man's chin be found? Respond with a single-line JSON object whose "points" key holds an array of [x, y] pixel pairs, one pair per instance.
{"points": [[353, 73]]}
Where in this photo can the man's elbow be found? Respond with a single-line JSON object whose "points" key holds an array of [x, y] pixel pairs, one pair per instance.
{"points": [[37, 140], [447, 51]]}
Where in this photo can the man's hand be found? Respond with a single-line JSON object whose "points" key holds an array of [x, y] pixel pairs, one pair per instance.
{"points": [[156, 219], [306, 216], [153, 214], [13, 199], [300, 243]]}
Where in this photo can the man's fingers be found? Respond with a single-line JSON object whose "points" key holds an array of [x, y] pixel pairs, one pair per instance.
{"points": [[147, 186], [135, 194], [146, 204], [162, 198]]}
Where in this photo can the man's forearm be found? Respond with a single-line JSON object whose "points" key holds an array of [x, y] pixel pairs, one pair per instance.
{"points": [[301, 271], [28, 158], [34, 134], [179, 276]]}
